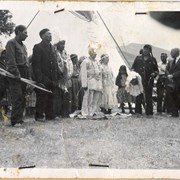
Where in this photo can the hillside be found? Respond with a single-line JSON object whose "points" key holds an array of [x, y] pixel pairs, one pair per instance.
{"points": [[132, 50]]}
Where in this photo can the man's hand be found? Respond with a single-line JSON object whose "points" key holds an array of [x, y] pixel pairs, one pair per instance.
{"points": [[170, 76], [18, 77], [66, 90], [41, 85], [75, 75], [153, 75]]}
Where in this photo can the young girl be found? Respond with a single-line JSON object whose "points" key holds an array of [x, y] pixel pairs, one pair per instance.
{"points": [[122, 95]]}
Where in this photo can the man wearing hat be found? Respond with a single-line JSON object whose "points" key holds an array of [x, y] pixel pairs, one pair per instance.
{"points": [[45, 71], [173, 71], [146, 66], [16, 58]]}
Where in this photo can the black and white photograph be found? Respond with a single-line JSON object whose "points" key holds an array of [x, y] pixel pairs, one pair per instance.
{"points": [[90, 85]]}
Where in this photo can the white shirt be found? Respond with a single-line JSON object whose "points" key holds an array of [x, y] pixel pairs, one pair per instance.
{"points": [[177, 59], [162, 68]]}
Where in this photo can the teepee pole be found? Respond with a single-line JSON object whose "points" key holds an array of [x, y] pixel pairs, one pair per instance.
{"points": [[113, 39]]}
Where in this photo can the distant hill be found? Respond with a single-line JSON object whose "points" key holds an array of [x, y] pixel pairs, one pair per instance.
{"points": [[132, 50]]}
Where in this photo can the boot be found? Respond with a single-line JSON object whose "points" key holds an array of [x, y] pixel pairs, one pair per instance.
{"points": [[122, 107], [103, 110], [130, 109], [109, 111]]}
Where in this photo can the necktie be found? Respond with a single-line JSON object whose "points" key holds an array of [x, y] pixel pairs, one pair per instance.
{"points": [[174, 62]]}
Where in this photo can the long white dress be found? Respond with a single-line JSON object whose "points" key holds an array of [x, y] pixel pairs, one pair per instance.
{"points": [[109, 100]]}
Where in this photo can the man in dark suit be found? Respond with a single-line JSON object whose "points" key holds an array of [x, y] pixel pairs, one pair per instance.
{"points": [[45, 71], [146, 66], [173, 71]]}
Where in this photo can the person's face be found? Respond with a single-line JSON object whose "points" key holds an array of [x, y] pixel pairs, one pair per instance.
{"points": [[174, 54], [92, 53], [23, 35], [164, 58], [123, 70], [47, 36], [60, 46], [106, 60], [146, 51], [75, 60]]}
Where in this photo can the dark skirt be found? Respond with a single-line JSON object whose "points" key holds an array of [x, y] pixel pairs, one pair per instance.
{"points": [[123, 96]]}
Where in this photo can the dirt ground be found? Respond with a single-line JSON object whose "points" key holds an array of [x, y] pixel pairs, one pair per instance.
{"points": [[121, 142]]}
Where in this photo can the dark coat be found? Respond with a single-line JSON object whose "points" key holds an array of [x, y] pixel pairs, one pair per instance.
{"points": [[174, 69], [145, 68], [44, 64]]}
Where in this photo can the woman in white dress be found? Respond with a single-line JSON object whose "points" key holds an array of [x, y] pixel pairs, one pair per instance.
{"points": [[108, 101]]}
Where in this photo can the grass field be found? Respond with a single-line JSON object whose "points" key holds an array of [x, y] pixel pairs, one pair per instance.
{"points": [[135, 142]]}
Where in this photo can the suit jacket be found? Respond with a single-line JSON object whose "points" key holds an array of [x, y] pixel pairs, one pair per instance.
{"points": [[174, 69], [44, 64]]}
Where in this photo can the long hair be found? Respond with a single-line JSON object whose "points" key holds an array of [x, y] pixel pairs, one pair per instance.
{"points": [[123, 70], [148, 46]]}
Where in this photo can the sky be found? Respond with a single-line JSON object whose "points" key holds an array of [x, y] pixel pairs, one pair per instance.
{"points": [[120, 18]]}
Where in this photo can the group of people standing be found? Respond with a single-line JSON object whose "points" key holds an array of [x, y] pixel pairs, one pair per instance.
{"points": [[51, 67], [74, 84], [167, 74], [86, 84]]}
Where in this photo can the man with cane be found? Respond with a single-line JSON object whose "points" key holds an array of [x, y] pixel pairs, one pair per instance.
{"points": [[146, 66], [45, 71]]}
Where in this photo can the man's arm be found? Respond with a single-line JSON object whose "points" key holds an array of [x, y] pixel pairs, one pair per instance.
{"points": [[176, 75], [156, 70], [134, 66], [11, 59]]}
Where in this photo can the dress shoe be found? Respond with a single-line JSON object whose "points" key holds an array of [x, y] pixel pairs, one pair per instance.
{"points": [[54, 119], [13, 123], [131, 112], [175, 115], [40, 119]]}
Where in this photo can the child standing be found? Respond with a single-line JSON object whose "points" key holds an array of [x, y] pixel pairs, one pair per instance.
{"points": [[122, 95]]}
